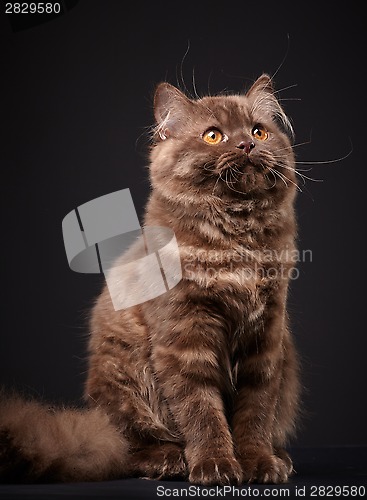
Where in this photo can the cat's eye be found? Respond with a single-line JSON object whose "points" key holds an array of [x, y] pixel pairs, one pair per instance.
{"points": [[213, 136], [260, 133]]}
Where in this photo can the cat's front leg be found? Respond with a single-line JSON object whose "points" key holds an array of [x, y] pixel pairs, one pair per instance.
{"points": [[254, 417], [187, 363]]}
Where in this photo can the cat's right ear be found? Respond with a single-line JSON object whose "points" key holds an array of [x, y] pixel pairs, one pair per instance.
{"points": [[170, 109]]}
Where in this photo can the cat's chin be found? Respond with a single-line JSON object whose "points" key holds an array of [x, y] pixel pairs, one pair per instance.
{"points": [[250, 180], [249, 185]]}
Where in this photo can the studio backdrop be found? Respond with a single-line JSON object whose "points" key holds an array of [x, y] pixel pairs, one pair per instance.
{"points": [[76, 115]]}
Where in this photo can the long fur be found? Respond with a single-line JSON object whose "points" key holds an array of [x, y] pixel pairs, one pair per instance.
{"points": [[201, 382], [44, 443]]}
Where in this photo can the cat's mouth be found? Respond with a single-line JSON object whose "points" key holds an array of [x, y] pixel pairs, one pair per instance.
{"points": [[239, 173], [243, 173], [235, 162], [242, 166]]}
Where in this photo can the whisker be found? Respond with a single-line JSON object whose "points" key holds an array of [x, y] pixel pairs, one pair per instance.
{"points": [[208, 166], [216, 183], [235, 169], [284, 58], [285, 179], [290, 180], [278, 174], [228, 182], [303, 177], [293, 146], [194, 84], [267, 178], [225, 157], [289, 99], [280, 158], [286, 88], [232, 176], [325, 162], [181, 69]]}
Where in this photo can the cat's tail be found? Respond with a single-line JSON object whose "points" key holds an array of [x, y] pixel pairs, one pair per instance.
{"points": [[41, 443]]}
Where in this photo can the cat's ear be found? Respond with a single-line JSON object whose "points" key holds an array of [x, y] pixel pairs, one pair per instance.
{"points": [[171, 108], [262, 84], [263, 101]]}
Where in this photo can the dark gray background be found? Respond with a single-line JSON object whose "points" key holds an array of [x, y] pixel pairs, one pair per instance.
{"points": [[76, 96]]}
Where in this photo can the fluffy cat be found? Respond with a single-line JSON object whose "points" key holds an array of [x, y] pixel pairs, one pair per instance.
{"points": [[202, 382]]}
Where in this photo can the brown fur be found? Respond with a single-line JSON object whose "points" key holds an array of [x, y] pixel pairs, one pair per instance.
{"points": [[200, 382], [40, 443]]}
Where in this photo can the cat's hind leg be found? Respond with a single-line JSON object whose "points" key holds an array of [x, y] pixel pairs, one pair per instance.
{"points": [[121, 381]]}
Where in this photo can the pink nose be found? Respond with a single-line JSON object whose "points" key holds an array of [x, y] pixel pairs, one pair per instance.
{"points": [[246, 146]]}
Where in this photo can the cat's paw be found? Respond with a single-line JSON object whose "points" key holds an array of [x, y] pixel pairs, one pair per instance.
{"points": [[216, 471], [281, 453], [165, 461], [266, 468]]}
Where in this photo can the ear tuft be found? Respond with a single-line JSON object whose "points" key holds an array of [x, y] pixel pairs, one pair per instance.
{"points": [[170, 106], [263, 84], [262, 97]]}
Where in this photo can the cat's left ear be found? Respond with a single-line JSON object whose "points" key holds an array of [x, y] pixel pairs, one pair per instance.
{"points": [[171, 109], [263, 101], [261, 85]]}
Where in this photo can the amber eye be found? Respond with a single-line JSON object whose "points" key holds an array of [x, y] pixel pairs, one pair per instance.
{"points": [[259, 133], [213, 136]]}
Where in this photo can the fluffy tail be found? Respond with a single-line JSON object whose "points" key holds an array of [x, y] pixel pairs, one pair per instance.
{"points": [[40, 443]]}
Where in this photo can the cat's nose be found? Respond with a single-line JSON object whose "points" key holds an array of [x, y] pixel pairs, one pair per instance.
{"points": [[246, 146]]}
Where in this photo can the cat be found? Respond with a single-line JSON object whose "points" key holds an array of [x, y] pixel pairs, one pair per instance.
{"points": [[202, 382]]}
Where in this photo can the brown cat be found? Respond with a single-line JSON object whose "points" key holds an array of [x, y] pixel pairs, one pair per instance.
{"points": [[201, 382]]}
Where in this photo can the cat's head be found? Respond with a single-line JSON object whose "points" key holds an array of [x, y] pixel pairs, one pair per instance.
{"points": [[224, 146]]}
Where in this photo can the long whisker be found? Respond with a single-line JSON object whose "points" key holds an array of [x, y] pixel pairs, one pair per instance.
{"points": [[286, 88], [235, 169], [181, 70], [289, 99], [290, 180], [285, 179], [284, 58], [228, 183], [267, 178], [325, 162], [293, 146], [278, 174], [232, 175], [194, 84], [303, 177], [279, 158]]}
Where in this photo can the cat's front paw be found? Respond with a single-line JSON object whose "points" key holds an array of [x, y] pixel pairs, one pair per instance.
{"points": [[266, 468], [216, 471], [164, 461]]}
